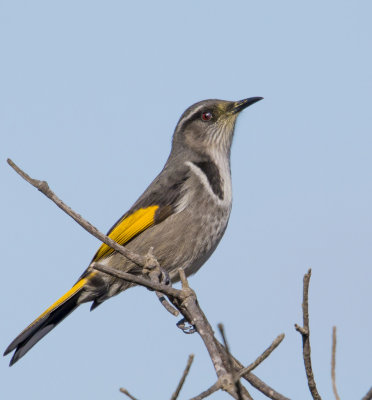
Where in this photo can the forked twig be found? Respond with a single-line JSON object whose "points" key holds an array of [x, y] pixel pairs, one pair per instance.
{"points": [[305, 333]]}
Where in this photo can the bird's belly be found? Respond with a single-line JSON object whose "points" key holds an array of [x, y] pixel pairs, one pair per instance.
{"points": [[184, 240]]}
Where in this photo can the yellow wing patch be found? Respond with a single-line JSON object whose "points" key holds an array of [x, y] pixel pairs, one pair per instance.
{"points": [[128, 227]]}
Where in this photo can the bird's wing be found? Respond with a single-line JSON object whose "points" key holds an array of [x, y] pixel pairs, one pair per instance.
{"points": [[156, 204]]}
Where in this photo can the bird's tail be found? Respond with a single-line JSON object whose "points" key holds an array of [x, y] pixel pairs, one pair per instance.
{"points": [[50, 318]]}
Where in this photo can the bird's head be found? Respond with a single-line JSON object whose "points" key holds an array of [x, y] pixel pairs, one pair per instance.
{"points": [[208, 126]]}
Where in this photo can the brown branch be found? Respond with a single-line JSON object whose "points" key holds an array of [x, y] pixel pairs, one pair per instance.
{"points": [[368, 396], [262, 357], [305, 333], [125, 391], [183, 378], [333, 364]]}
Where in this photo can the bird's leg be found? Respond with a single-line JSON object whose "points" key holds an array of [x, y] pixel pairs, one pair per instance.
{"points": [[165, 278]]}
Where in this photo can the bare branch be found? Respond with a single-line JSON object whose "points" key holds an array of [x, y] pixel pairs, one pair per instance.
{"points": [[183, 378], [305, 333], [333, 364], [125, 391], [262, 357]]}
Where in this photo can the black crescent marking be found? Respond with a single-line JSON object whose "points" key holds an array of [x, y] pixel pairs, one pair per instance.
{"points": [[213, 176]]}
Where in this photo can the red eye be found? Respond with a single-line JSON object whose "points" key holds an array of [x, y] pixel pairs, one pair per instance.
{"points": [[207, 116]]}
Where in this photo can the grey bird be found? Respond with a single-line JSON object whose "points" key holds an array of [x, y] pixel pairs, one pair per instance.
{"points": [[182, 215]]}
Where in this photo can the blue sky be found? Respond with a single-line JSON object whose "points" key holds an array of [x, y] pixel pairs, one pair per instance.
{"points": [[90, 93]]}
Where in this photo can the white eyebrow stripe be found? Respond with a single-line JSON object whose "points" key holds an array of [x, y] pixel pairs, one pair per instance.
{"points": [[189, 115]]}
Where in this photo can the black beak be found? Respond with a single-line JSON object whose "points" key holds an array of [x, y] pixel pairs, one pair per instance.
{"points": [[242, 104]]}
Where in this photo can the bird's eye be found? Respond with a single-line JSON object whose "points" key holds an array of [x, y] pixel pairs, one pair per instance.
{"points": [[207, 116]]}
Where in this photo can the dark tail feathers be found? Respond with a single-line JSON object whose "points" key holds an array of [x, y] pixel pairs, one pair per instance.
{"points": [[40, 327]]}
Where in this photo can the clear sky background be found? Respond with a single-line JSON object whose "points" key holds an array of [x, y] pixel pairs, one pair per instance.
{"points": [[90, 94]]}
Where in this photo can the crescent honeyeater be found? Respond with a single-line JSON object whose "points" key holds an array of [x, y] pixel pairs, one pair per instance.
{"points": [[182, 215]]}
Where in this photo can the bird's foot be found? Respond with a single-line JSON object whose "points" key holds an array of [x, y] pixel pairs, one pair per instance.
{"points": [[185, 326]]}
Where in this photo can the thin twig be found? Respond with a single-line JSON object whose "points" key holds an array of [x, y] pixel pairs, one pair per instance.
{"points": [[305, 333], [183, 378], [125, 391], [208, 392], [262, 357], [165, 303], [368, 396], [333, 364]]}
